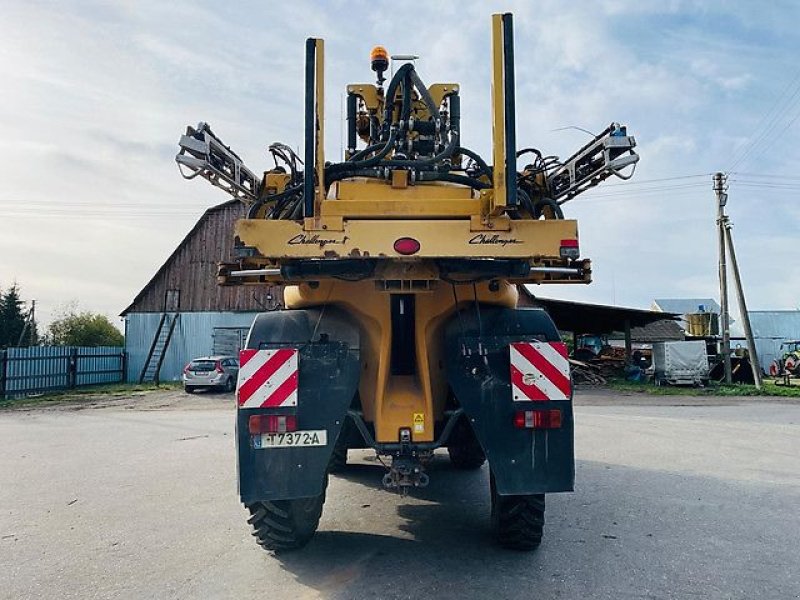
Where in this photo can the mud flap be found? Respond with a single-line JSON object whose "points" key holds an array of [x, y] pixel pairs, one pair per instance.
{"points": [[524, 461], [328, 372]]}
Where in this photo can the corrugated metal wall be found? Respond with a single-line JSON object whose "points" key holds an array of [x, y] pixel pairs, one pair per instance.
{"points": [[193, 337], [770, 328], [45, 368]]}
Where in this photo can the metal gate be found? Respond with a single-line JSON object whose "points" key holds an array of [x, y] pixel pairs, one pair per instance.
{"points": [[228, 340]]}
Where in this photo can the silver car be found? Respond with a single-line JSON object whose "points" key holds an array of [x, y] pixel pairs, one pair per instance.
{"points": [[216, 372]]}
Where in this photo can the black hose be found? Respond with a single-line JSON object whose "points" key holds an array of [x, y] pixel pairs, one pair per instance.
{"points": [[542, 202], [446, 153], [426, 95], [453, 178], [477, 158], [277, 198], [370, 162], [391, 90], [405, 111]]}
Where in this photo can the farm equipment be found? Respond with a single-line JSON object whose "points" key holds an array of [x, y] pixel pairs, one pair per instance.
{"points": [[789, 362], [401, 331]]}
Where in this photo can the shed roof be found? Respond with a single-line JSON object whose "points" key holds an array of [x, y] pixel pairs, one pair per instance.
{"points": [[601, 319]]}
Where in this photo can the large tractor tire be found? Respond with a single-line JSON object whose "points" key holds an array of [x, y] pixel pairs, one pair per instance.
{"points": [[464, 449], [338, 461], [281, 525], [517, 521]]}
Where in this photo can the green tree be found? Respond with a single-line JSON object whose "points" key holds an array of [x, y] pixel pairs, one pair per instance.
{"points": [[13, 316], [83, 329]]}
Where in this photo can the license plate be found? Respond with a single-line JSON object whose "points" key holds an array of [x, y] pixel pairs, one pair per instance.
{"points": [[290, 439], [201, 373]]}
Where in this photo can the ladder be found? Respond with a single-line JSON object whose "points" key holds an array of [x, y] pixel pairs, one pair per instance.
{"points": [[158, 349]]}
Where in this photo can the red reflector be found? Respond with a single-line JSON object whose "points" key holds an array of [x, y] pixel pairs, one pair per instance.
{"points": [[537, 419], [406, 246], [271, 424], [569, 243]]}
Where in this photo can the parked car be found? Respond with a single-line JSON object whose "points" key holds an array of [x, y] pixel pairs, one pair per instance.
{"points": [[215, 372]]}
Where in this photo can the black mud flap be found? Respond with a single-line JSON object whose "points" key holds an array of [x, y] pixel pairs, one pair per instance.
{"points": [[328, 372], [524, 461]]}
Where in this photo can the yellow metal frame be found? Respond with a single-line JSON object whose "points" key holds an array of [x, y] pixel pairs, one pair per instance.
{"points": [[391, 401], [498, 117]]}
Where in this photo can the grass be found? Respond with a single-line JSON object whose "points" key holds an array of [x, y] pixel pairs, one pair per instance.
{"points": [[713, 389], [88, 393]]}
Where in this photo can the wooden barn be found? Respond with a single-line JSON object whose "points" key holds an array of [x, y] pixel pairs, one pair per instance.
{"points": [[182, 313]]}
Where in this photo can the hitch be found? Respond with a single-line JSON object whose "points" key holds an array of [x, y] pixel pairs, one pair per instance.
{"points": [[405, 473]]}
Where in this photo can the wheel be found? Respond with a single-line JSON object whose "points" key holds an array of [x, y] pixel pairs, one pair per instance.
{"points": [[281, 525], [517, 521], [189, 389], [774, 369], [230, 385], [464, 449], [338, 461]]}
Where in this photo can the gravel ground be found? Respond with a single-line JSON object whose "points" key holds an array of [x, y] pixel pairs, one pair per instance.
{"points": [[135, 497]]}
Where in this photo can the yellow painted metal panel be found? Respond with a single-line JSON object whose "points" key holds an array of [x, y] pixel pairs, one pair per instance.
{"points": [[498, 112], [437, 238]]}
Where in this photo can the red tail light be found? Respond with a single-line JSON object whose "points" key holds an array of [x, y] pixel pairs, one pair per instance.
{"points": [[271, 424], [569, 249], [186, 369], [406, 246], [537, 419], [218, 367]]}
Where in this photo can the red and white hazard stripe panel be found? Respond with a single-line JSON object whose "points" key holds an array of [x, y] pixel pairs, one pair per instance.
{"points": [[539, 371], [267, 378]]}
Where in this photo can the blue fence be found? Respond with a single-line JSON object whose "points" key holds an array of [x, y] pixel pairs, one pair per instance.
{"points": [[48, 368]]}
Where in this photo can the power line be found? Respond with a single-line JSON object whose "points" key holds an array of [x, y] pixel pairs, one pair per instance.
{"points": [[763, 131]]}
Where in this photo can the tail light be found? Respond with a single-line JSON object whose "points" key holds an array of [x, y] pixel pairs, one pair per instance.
{"points": [[569, 249], [271, 424], [186, 368], [406, 246], [218, 368], [537, 419]]}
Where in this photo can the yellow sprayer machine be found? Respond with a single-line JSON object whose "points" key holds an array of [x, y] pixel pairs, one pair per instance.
{"points": [[401, 331]]}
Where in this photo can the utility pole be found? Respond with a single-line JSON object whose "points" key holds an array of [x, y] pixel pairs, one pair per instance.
{"points": [[28, 326], [748, 332], [722, 198]]}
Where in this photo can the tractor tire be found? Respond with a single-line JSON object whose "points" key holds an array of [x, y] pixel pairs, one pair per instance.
{"points": [[338, 461], [282, 525], [774, 369], [517, 521], [464, 449]]}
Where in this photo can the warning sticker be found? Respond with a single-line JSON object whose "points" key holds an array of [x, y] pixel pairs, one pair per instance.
{"points": [[419, 422]]}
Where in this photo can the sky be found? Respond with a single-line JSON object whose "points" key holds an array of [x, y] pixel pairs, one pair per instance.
{"points": [[96, 95]]}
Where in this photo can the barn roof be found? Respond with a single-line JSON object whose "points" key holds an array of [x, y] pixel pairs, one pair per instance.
{"points": [[208, 214]]}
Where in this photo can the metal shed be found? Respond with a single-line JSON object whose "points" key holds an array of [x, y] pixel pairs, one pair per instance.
{"points": [[770, 328], [182, 313]]}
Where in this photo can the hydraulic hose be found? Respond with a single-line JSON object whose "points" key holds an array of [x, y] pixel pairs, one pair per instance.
{"points": [[391, 90], [477, 158]]}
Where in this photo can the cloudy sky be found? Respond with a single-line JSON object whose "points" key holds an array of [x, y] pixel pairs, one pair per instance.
{"points": [[96, 95]]}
